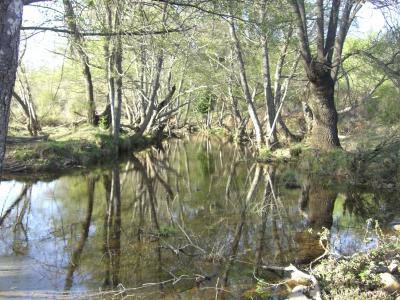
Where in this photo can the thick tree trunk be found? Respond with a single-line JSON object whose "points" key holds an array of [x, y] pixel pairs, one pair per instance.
{"points": [[91, 107], [324, 132], [10, 24]]}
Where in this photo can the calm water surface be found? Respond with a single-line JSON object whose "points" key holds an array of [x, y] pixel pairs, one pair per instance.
{"points": [[175, 224]]}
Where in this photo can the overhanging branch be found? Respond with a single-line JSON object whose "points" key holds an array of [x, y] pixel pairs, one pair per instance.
{"points": [[123, 33]]}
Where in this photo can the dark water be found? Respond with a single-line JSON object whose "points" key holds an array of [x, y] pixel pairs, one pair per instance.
{"points": [[175, 224]]}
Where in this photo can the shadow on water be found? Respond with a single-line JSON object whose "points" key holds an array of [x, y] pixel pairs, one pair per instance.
{"points": [[195, 219]]}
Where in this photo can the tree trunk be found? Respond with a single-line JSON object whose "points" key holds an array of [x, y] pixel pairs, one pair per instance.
{"points": [[272, 138], [245, 86], [78, 42], [10, 10], [269, 97], [30, 113], [324, 133], [118, 103], [144, 125]]}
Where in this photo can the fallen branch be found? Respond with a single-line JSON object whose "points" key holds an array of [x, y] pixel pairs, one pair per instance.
{"points": [[23, 140]]}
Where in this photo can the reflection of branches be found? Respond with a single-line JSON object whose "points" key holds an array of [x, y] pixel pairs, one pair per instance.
{"points": [[112, 229], [239, 227], [21, 195], [150, 189], [20, 227], [232, 172], [75, 257]]}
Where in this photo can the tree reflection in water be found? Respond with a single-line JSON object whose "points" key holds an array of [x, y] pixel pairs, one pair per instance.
{"points": [[198, 213]]}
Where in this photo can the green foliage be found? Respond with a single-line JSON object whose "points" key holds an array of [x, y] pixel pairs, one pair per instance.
{"points": [[296, 151], [206, 102], [103, 124], [167, 231]]}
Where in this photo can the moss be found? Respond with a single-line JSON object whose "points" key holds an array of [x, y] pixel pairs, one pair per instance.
{"points": [[266, 155]]}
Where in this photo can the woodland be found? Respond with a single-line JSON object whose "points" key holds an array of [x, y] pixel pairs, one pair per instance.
{"points": [[292, 83]]}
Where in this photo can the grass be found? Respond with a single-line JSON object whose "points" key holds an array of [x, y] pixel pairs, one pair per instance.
{"points": [[65, 148]]}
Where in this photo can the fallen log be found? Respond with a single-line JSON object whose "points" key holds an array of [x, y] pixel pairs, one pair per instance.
{"points": [[23, 139]]}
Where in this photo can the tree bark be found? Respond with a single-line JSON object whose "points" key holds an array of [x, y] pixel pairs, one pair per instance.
{"points": [[10, 25], [322, 68], [324, 133]]}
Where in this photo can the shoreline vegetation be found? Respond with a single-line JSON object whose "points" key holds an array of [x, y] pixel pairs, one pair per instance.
{"points": [[80, 148], [374, 165], [372, 274]]}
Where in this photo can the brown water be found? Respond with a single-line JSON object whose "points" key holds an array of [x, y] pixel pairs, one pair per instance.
{"points": [[175, 224]]}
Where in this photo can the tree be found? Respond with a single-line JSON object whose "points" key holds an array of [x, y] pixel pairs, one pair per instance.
{"points": [[10, 10], [267, 83], [249, 97], [322, 66], [78, 44]]}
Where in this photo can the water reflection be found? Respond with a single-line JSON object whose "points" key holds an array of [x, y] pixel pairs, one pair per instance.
{"points": [[179, 220]]}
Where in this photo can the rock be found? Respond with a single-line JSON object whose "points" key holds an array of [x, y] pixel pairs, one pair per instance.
{"points": [[300, 289], [69, 163], [389, 282], [396, 227], [297, 296], [394, 267], [389, 186], [292, 185], [378, 268]]}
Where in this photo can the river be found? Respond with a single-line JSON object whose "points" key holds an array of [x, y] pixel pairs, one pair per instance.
{"points": [[176, 223]]}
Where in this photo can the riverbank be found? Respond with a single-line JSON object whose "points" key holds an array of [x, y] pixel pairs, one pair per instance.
{"points": [[65, 149], [369, 159], [375, 164], [372, 274]]}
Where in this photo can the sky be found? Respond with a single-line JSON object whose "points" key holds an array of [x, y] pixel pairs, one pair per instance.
{"points": [[39, 47]]}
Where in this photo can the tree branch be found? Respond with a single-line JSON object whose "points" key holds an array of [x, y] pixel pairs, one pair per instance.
{"points": [[122, 33], [332, 29]]}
